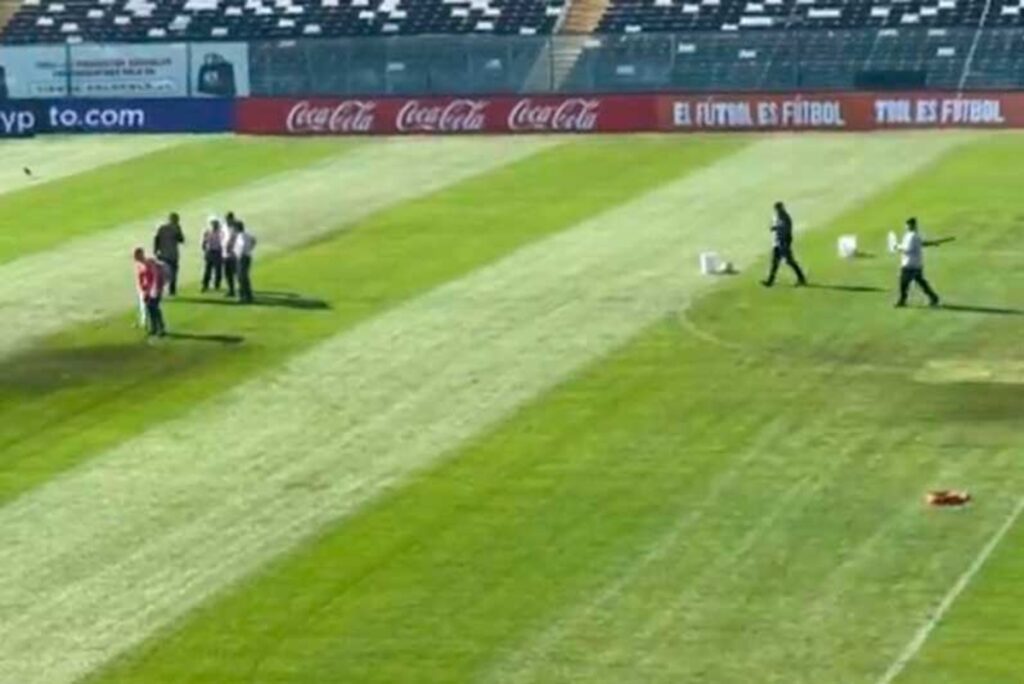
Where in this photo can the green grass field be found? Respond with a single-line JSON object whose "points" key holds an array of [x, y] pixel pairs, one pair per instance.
{"points": [[487, 422]]}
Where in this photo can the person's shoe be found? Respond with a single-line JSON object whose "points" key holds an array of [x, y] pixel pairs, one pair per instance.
{"points": [[900, 305], [801, 283], [935, 303], [767, 283]]}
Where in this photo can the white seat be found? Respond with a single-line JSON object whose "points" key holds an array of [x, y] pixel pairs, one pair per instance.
{"points": [[311, 30]]}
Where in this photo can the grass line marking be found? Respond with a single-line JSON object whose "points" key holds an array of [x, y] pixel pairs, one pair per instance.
{"points": [[921, 636]]}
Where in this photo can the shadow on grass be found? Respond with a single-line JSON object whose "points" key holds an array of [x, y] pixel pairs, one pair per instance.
{"points": [[195, 337], [845, 288], [991, 310], [41, 371], [287, 300]]}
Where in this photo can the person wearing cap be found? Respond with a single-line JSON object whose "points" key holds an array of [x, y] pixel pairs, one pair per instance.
{"points": [[782, 249], [213, 254], [245, 243], [165, 247], [911, 250], [229, 240]]}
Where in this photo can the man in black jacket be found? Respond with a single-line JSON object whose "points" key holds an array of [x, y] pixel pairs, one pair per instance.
{"points": [[782, 229], [165, 247]]}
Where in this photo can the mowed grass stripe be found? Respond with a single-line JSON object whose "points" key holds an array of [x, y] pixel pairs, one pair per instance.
{"points": [[400, 251], [106, 386], [285, 210], [832, 591], [772, 502], [364, 409], [144, 188], [50, 158]]}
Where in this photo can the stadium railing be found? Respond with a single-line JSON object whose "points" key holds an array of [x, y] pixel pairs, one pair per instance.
{"points": [[743, 61]]}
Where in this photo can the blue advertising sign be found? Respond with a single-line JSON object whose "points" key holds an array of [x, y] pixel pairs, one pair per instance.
{"points": [[173, 115], [18, 120]]}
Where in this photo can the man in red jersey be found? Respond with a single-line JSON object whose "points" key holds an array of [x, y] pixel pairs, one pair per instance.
{"points": [[150, 278]]}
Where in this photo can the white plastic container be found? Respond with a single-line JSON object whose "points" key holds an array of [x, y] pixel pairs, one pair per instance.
{"points": [[710, 264], [847, 246]]}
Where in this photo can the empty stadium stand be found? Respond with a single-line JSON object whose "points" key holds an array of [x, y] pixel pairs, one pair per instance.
{"points": [[636, 16], [496, 46], [46, 21]]}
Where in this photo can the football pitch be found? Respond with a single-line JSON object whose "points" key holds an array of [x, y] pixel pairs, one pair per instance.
{"points": [[487, 422]]}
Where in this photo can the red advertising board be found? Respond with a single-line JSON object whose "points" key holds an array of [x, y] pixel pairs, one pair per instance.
{"points": [[841, 111], [541, 114], [626, 113]]}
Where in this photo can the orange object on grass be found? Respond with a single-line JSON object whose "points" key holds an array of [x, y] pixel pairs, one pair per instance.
{"points": [[947, 497]]}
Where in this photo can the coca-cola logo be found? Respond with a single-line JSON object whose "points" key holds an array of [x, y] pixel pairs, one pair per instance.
{"points": [[454, 116], [573, 114], [348, 116]]}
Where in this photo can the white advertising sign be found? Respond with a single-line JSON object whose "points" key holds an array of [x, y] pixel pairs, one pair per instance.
{"points": [[132, 71]]}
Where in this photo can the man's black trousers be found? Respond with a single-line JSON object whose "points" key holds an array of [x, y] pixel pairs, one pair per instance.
{"points": [[780, 254], [230, 269], [910, 274], [244, 282], [172, 280], [214, 269]]}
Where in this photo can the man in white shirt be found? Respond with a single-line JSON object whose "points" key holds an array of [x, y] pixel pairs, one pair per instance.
{"points": [[213, 254], [230, 263], [911, 249], [244, 246]]}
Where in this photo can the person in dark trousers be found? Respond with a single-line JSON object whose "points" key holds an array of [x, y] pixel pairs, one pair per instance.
{"points": [[230, 237], [244, 246], [165, 247], [149, 275], [213, 255], [782, 230], [911, 250]]}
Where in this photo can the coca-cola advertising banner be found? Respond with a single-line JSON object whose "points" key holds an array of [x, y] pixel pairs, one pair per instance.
{"points": [[841, 111], [616, 114], [542, 114]]}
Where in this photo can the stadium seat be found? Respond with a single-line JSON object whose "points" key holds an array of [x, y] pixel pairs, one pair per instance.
{"points": [[196, 20]]}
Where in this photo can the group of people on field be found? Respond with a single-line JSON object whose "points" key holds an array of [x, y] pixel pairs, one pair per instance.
{"points": [[910, 248], [227, 249]]}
